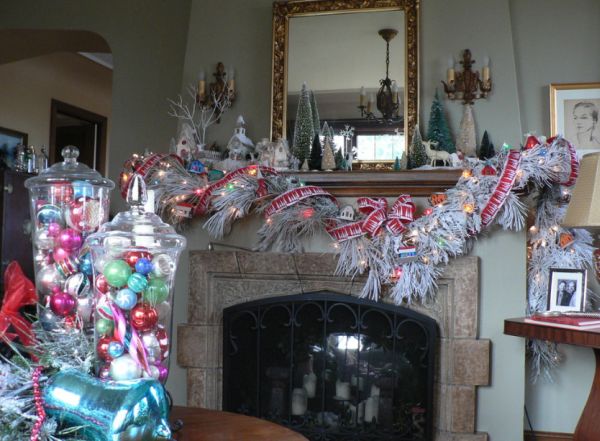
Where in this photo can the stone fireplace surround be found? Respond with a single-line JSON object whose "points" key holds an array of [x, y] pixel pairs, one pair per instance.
{"points": [[219, 279]]}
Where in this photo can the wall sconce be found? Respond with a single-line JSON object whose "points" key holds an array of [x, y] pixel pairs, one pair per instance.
{"points": [[467, 85], [220, 94]]}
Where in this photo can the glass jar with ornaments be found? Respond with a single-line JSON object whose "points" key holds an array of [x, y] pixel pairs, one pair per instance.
{"points": [[134, 259], [69, 201]]}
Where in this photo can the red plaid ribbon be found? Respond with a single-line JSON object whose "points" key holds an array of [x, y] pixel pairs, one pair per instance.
{"points": [[376, 209], [292, 197]]}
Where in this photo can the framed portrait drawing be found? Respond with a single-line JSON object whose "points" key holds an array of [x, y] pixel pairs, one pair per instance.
{"points": [[567, 289], [9, 140], [574, 109]]}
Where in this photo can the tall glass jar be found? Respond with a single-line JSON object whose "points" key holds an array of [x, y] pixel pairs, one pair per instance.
{"points": [[134, 259], [69, 201]]}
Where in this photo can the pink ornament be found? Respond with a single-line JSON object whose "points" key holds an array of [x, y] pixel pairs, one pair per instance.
{"points": [[69, 239], [104, 372], [62, 303], [163, 372], [101, 284], [53, 229], [60, 254]]}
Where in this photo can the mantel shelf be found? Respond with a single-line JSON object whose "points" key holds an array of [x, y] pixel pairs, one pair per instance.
{"points": [[382, 183]]}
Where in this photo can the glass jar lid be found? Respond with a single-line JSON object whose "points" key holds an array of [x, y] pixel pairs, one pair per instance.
{"points": [[69, 170], [139, 227]]}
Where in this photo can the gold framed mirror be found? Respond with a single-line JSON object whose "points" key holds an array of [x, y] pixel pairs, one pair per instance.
{"points": [[301, 27]]}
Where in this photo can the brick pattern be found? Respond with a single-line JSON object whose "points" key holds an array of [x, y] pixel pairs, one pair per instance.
{"points": [[219, 279]]}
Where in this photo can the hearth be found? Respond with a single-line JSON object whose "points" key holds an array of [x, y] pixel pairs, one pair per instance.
{"points": [[331, 367]]}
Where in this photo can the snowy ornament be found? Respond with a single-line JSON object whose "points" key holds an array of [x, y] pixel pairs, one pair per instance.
{"points": [[347, 213]]}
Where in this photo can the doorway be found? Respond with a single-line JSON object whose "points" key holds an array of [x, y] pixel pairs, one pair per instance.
{"points": [[71, 125]]}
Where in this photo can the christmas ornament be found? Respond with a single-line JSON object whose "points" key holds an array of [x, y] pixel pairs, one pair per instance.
{"points": [[85, 264], [65, 265], [104, 326], [137, 282], [62, 303], [54, 229], [115, 349], [69, 239], [108, 411], [156, 292], [102, 348], [61, 192], [85, 214], [124, 368], [43, 240], [131, 257], [117, 272], [77, 285], [101, 284], [531, 142], [163, 265], [104, 309], [143, 317], [49, 214], [48, 320], [152, 346], [82, 189], [126, 299], [85, 309], [48, 279], [154, 373], [143, 266]]}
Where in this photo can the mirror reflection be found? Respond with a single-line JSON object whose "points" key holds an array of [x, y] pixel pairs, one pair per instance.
{"points": [[342, 59]]}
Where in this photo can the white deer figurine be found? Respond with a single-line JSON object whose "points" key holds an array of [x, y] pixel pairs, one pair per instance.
{"points": [[435, 155]]}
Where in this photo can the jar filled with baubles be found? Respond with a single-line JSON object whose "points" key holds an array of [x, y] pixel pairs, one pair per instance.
{"points": [[69, 201], [134, 259]]}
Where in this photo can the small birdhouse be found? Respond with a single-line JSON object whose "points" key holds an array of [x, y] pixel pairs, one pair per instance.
{"points": [[183, 209], [196, 167], [488, 170], [565, 239], [346, 213]]}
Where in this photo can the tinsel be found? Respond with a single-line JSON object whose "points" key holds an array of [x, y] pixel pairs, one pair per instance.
{"points": [[55, 350], [489, 192]]}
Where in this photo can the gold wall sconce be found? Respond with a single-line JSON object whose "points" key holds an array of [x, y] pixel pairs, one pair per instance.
{"points": [[467, 85], [220, 94]]}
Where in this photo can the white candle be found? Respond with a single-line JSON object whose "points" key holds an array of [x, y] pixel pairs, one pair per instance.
{"points": [[299, 402], [363, 95], [450, 72], [358, 382], [309, 381], [201, 85], [371, 409], [374, 390], [342, 390]]}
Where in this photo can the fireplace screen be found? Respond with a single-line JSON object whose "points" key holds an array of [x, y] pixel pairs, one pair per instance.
{"points": [[331, 366]]}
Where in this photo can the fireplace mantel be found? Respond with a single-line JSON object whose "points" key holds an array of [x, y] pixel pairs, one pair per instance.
{"points": [[219, 279]]}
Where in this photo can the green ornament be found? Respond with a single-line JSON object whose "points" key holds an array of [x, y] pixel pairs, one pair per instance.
{"points": [[137, 282], [104, 326], [156, 292], [117, 272]]}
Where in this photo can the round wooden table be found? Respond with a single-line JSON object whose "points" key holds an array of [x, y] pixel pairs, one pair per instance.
{"points": [[213, 425]]}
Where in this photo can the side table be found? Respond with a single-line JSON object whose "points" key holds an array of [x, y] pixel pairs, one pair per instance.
{"points": [[588, 427], [213, 425]]}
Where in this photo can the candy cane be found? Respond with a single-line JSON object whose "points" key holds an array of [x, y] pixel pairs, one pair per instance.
{"points": [[136, 347]]}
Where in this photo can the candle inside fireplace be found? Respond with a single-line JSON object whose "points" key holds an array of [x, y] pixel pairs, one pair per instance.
{"points": [[299, 401], [371, 409], [342, 390], [309, 381]]}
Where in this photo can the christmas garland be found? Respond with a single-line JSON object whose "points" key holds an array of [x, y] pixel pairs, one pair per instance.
{"points": [[391, 246]]}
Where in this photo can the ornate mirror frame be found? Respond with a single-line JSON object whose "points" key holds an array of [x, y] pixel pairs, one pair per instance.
{"points": [[284, 10]]}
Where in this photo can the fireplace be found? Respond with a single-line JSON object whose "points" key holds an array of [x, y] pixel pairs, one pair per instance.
{"points": [[222, 279], [331, 367]]}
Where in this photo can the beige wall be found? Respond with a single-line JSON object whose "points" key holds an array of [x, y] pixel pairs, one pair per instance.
{"points": [[29, 86]]}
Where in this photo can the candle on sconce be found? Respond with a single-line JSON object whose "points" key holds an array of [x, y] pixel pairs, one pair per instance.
{"points": [[370, 103], [485, 71], [231, 79], [363, 96], [450, 73], [299, 401], [309, 382], [342, 390], [395, 90], [201, 85]]}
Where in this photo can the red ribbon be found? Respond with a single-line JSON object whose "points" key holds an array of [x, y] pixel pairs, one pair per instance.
{"points": [[503, 188], [19, 291], [402, 213]]}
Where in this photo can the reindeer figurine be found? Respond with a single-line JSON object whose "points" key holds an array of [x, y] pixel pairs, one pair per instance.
{"points": [[435, 155]]}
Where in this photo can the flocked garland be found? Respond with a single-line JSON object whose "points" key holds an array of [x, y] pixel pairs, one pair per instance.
{"points": [[391, 244]]}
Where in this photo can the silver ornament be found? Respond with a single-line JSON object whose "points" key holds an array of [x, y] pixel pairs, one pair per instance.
{"points": [[85, 309], [78, 285], [154, 372], [163, 265], [124, 368], [100, 262], [164, 310], [42, 240], [152, 346], [40, 258], [47, 279], [49, 320]]}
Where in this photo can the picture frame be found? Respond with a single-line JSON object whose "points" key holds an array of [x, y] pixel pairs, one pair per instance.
{"points": [[574, 113], [567, 289], [9, 140]]}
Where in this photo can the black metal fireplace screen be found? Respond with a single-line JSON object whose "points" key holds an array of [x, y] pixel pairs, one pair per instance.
{"points": [[331, 366]]}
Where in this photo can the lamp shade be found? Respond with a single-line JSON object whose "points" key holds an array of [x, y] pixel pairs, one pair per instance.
{"points": [[584, 209]]}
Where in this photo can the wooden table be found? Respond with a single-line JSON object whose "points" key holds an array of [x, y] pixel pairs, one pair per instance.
{"points": [[588, 427], [213, 425]]}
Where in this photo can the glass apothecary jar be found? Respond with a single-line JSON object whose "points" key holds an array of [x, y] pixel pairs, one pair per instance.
{"points": [[134, 260], [69, 201]]}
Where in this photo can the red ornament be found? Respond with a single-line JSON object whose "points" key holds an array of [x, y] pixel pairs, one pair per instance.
{"points": [[131, 257], [71, 322], [143, 317], [531, 142], [488, 170], [102, 348], [61, 192], [163, 341], [101, 284]]}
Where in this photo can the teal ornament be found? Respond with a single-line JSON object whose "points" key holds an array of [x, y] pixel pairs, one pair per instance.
{"points": [[82, 189], [49, 213], [115, 349], [215, 175], [117, 272], [85, 264], [126, 299], [156, 292], [108, 410], [137, 282]]}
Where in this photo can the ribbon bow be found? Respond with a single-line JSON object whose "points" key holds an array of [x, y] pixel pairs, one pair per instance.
{"points": [[18, 292], [376, 209]]}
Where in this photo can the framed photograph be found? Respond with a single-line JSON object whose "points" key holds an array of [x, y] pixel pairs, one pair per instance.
{"points": [[574, 109], [9, 140], [567, 289]]}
